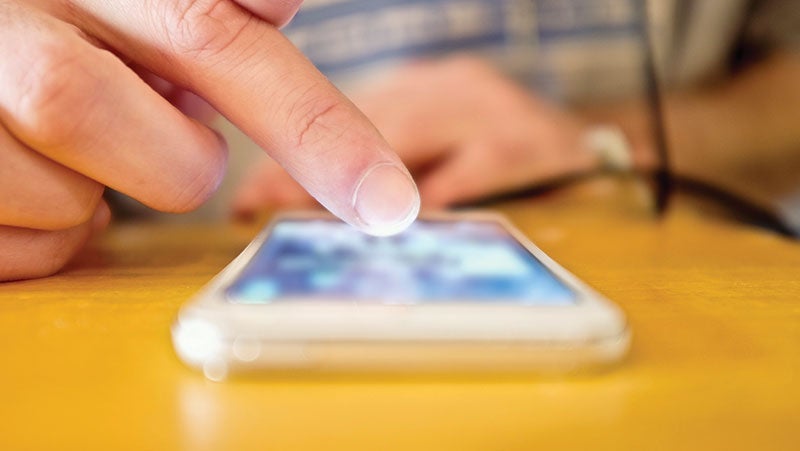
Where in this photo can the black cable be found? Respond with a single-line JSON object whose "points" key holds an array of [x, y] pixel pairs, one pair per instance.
{"points": [[662, 176]]}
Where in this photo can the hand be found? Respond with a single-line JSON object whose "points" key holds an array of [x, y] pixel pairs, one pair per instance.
{"points": [[464, 130], [75, 117]]}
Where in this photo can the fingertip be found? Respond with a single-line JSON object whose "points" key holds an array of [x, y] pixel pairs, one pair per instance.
{"points": [[386, 200]]}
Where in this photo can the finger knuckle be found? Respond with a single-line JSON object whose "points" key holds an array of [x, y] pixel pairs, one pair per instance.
{"points": [[195, 186], [38, 253], [74, 206], [203, 28], [56, 95], [53, 258]]}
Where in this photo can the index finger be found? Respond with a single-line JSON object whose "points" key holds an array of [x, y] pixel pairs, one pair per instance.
{"points": [[254, 76]]}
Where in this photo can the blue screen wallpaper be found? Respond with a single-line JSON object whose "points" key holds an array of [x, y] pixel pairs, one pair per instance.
{"points": [[432, 261]]}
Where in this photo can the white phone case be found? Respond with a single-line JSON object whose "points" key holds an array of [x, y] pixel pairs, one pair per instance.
{"points": [[220, 337]]}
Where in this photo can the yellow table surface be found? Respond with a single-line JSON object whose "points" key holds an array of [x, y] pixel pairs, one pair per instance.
{"points": [[86, 360]]}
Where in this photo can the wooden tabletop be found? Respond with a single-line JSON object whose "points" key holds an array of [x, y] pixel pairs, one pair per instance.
{"points": [[86, 360]]}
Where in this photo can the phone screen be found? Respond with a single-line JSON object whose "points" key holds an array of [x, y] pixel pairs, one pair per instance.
{"points": [[433, 261]]}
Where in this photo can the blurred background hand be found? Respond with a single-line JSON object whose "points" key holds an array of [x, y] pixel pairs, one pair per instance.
{"points": [[546, 77]]}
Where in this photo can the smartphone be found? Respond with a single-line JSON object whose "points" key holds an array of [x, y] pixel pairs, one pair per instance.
{"points": [[455, 292]]}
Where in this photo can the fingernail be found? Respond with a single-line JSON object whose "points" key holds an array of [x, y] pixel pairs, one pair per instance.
{"points": [[386, 200]]}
